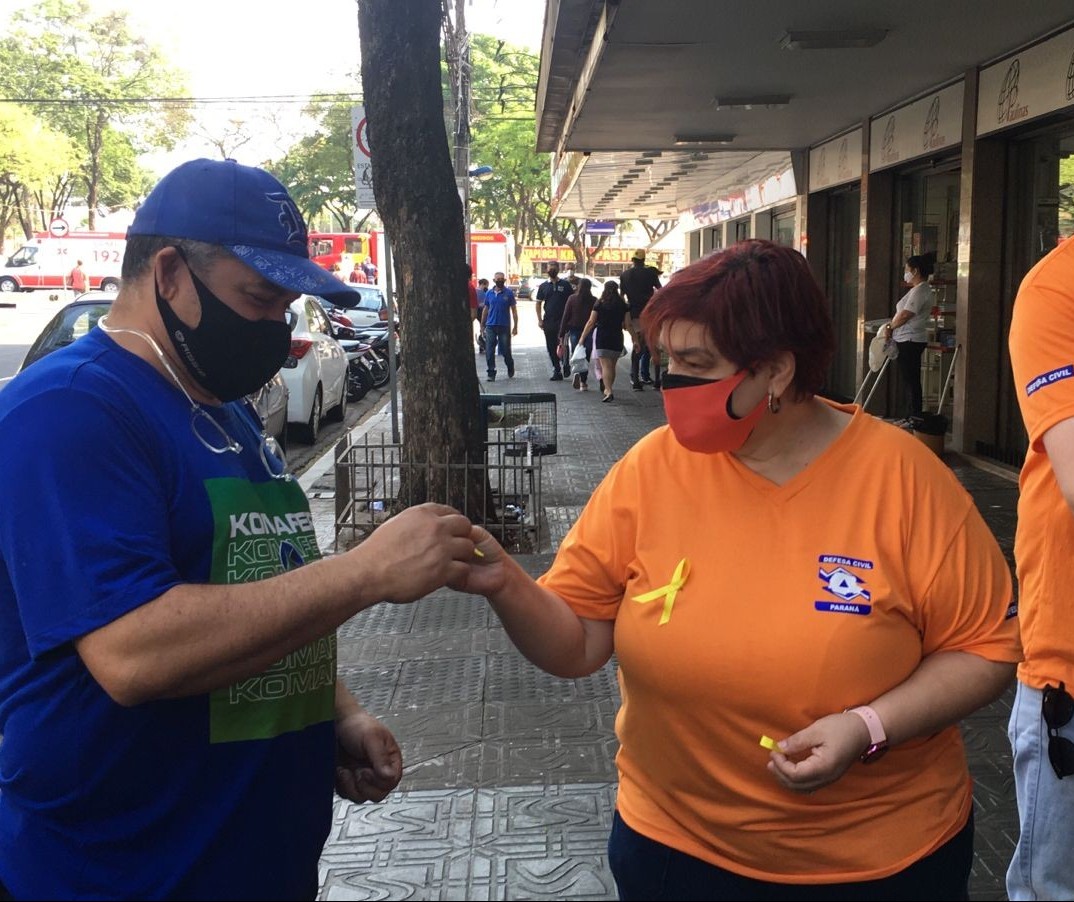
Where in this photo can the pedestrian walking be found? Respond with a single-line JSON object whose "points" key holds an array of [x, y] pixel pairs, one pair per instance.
{"points": [[638, 283], [575, 316], [76, 279], [552, 297], [609, 318], [499, 321]]}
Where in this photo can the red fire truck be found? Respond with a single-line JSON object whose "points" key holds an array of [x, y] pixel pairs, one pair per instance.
{"points": [[488, 250]]}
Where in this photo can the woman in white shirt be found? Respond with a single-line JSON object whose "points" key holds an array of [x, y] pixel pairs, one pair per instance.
{"points": [[909, 326]]}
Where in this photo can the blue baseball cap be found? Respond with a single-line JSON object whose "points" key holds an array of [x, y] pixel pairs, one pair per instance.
{"points": [[244, 209]]}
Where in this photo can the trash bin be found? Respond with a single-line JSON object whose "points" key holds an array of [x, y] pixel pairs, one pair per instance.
{"points": [[528, 417], [931, 429]]}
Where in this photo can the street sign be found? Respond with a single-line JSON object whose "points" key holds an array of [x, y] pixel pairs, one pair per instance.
{"points": [[58, 228], [599, 227], [363, 159]]}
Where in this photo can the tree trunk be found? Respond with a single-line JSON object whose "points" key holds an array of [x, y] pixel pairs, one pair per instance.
{"points": [[414, 186]]}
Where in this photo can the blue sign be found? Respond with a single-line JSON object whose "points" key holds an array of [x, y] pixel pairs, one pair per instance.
{"points": [[599, 227]]}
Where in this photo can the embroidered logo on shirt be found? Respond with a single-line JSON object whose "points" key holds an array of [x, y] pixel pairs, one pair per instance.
{"points": [[843, 584], [846, 586], [668, 592]]}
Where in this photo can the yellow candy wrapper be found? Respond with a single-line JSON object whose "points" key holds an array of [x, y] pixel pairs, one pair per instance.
{"points": [[769, 743]]}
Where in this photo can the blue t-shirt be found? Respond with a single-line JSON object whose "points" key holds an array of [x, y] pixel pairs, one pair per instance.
{"points": [[108, 501], [499, 305]]}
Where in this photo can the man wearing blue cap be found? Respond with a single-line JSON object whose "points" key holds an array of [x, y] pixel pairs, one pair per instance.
{"points": [[172, 722]]}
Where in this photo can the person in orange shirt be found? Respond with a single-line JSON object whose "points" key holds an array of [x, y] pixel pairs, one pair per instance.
{"points": [[787, 587], [1041, 728], [76, 278]]}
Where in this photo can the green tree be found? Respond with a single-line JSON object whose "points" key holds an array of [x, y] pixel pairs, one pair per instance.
{"points": [[92, 79], [31, 156], [503, 124], [319, 169], [414, 184]]}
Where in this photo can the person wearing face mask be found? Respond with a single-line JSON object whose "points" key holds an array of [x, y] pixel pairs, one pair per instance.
{"points": [[499, 321], [173, 725], [909, 329], [790, 614]]}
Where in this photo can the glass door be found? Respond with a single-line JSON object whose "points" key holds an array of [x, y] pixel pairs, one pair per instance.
{"points": [[927, 207]]}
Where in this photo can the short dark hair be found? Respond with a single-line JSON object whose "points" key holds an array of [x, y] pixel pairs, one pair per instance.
{"points": [[141, 249], [757, 299], [923, 263]]}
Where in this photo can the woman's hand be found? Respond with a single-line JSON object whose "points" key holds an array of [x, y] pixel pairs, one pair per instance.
{"points": [[487, 574], [830, 746]]}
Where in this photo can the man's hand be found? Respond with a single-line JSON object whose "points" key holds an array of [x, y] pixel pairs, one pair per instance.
{"points": [[414, 553], [369, 763]]}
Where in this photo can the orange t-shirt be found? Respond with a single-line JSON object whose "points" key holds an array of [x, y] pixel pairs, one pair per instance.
{"points": [[1042, 357], [796, 601]]}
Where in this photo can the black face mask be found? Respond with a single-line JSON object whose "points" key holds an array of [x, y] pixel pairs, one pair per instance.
{"points": [[227, 354]]}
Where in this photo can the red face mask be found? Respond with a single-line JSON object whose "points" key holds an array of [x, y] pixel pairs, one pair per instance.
{"points": [[699, 413]]}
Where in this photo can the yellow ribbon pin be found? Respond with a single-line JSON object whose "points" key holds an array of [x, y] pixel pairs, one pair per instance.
{"points": [[667, 592]]}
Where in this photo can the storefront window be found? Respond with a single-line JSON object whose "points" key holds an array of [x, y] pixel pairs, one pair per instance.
{"points": [[741, 229], [783, 227]]}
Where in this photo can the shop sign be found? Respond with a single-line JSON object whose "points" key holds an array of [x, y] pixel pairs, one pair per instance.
{"points": [[929, 124], [754, 197], [548, 253], [1029, 84], [835, 162]]}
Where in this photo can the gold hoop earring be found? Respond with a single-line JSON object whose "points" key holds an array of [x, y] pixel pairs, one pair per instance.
{"points": [[774, 403]]}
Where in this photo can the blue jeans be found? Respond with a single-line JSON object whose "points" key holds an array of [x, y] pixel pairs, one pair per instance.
{"points": [[646, 869], [498, 335], [572, 342], [1043, 863]]}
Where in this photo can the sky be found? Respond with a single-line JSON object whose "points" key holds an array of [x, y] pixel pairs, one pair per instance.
{"points": [[280, 50]]}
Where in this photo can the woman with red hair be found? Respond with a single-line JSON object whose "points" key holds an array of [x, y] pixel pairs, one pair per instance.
{"points": [[813, 590]]}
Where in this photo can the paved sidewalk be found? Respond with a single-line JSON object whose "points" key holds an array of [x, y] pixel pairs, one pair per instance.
{"points": [[509, 774]]}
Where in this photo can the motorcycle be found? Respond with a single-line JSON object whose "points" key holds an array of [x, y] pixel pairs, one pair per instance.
{"points": [[377, 339], [367, 361]]}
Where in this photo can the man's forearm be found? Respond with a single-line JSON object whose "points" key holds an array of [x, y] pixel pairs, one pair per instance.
{"points": [[197, 637]]}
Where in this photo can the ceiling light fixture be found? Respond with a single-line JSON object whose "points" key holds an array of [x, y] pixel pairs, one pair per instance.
{"points": [[702, 140], [754, 102], [832, 40]]}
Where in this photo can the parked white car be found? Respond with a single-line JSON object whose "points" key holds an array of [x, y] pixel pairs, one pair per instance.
{"points": [[315, 371], [366, 308]]}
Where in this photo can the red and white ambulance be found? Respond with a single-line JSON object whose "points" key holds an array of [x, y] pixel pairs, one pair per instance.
{"points": [[45, 261]]}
